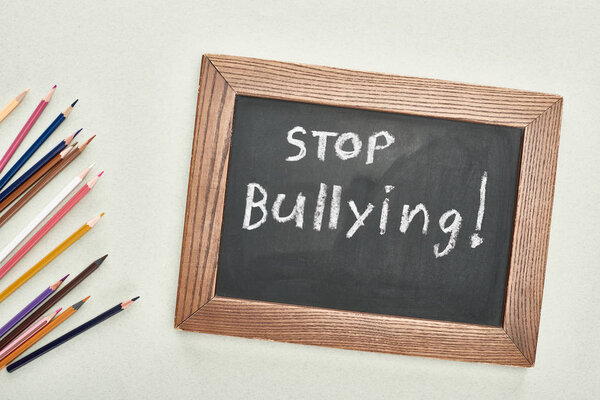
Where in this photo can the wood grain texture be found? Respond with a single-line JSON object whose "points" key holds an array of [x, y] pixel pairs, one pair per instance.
{"points": [[532, 230], [206, 192], [357, 331], [382, 92], [223, 77]]}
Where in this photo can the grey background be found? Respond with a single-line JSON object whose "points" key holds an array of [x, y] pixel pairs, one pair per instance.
{"points": [[135, 67]]}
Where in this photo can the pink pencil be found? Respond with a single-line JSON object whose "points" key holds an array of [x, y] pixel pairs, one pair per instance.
{"points": [[26, 128], [49, 225], [27, 334]]}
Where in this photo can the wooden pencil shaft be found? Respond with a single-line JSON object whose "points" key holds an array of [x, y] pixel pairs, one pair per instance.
{"points": [[39, 186], [25, 130], [65, 338], [51, 156], [37, 314], [25, 311], [38, 336], [37, 219], [12, 105], [44, 261], [29, 182], [31, 150]]}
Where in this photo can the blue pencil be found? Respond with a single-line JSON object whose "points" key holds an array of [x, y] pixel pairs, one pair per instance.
{"points": [[37, 166], [36, 145]]}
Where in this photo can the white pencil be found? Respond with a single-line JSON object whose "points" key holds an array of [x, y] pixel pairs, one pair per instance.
{"points": [[44, 213]]}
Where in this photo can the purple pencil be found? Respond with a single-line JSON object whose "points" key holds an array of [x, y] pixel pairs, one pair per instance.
{"points": [[30, 307]]}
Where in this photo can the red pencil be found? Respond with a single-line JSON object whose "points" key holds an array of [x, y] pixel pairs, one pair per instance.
{"points": [[26, 128], [49, 225]]}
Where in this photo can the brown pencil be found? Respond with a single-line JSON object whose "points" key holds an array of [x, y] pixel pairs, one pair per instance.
{"points": [[44, 181], [35, 177]]}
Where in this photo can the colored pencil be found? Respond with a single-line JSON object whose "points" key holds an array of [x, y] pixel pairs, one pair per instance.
{"points": [[62, 317], [37, 314], [70, 335], [12, 105], [36, 145], [85, 228], [26, 128], [80, 194], [30, 307], [19, 190], [50, 156], [27, 334], [42, 214], [39, 186]]}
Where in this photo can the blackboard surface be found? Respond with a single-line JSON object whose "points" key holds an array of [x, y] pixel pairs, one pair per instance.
{"points": [[434, 162]]}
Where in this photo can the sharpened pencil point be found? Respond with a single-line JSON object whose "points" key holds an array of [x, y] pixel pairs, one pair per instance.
{"points": [[84, 144], [102, 214], [20, 97], [100, 174], [76, 133], [49, 95], [75, 102], [135, 298], [86, 299], [101, 259], [66, 276]]}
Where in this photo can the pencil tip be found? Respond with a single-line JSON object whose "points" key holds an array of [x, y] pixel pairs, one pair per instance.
{"points": [[101, 259], [135, 298], [92, 165], [66, 276], [86, 299], [75, 102], [76, 133], [54, 87], [100, 174], [102, 215]]}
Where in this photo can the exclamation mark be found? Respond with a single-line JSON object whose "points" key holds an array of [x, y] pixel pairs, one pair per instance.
{"points": [[476, 240]]}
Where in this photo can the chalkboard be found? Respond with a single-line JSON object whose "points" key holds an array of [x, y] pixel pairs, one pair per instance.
{"points": [[368, 211]]}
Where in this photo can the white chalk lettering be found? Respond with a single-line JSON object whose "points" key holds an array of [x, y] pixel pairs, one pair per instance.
{"points": [[296, 214], [296, 142], [318, 217], [334, 209], [384, 211], [452, 229], [356, 146], [250, 204], [476, 239], [408, 217], [322, 135], [360, 218], [389, 139]]}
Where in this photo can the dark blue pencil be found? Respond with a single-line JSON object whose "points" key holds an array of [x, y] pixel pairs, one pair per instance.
{"points": [[70, 335], [37, 166], [36, 145]]}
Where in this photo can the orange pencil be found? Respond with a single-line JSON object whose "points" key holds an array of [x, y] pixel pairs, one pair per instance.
{"points": [[12, 105]]}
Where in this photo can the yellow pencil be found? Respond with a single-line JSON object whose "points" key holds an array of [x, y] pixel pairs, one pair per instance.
{"points": [[12, 105], [49, 257], [42, 332]]}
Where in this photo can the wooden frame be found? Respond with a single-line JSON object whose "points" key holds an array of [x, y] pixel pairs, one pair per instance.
{"points": [[198, 309]]}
